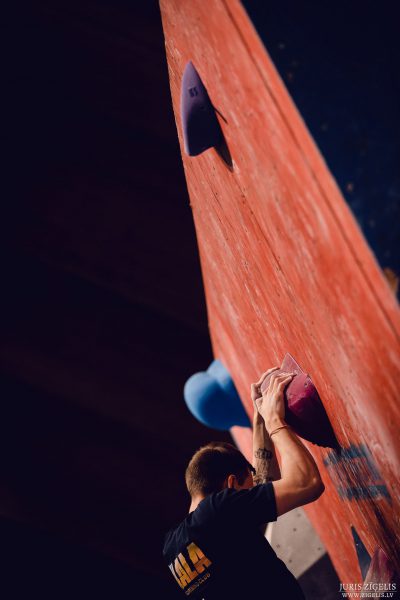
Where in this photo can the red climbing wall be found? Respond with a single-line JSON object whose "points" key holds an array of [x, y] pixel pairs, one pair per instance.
{"points": [[286, 269]]}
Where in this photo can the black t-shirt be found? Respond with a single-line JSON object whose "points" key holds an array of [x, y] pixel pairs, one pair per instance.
{"points": [[219, 551]]}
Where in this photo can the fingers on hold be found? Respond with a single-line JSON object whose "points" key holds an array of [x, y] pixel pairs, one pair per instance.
{"points": [[273, 370], [275, 377], [264, 375], [284, 381]]}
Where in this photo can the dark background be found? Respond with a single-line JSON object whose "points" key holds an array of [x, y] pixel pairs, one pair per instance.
{"points": [[103, 316]]}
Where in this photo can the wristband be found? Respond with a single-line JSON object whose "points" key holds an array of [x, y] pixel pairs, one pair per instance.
{"points": [[277, 429]]}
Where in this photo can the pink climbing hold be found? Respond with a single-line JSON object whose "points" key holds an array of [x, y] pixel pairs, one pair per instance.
{"points": [[305, 412]]}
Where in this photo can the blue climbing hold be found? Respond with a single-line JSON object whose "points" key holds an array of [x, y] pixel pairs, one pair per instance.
{"points": [[201, 129], [212, 398]]}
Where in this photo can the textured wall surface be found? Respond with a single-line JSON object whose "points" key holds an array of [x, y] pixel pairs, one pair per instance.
{"points": [[287, 269]]}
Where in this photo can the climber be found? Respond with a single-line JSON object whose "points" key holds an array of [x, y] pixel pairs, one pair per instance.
{"points": [[219, 550]]}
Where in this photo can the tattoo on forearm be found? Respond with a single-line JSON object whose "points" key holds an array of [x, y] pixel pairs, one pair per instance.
{"points": [[262, 465], [263, 454], [258, 479]]}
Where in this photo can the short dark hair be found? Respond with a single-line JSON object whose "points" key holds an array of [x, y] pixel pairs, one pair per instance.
{"points": [[211, 465]]}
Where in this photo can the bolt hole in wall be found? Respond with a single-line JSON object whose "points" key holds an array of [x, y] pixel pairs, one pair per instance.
{"points": [[339, 62]]}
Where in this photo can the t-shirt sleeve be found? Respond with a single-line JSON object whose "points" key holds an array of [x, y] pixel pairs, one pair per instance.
{"points": [[256, 505]]}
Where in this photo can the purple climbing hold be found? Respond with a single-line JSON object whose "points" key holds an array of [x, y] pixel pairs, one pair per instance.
{"points": [[305, 412], [201, 129]]}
